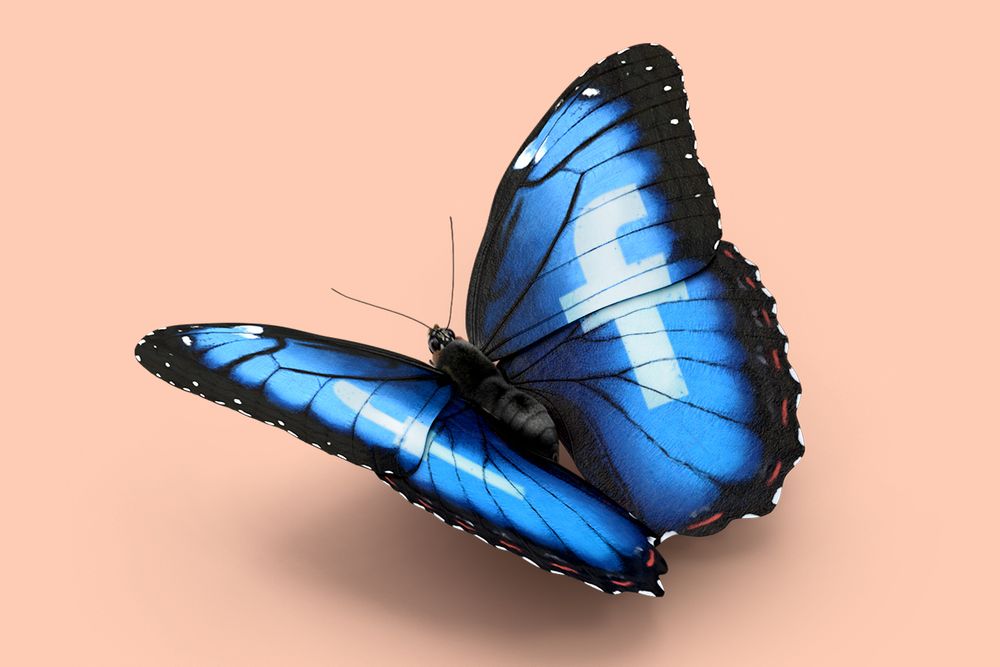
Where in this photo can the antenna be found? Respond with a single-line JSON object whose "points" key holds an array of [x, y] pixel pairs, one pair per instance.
{"points": [[451, 303], [389, 310]]}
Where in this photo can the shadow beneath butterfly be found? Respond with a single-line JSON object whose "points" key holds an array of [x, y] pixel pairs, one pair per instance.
{"points": [[385, 553], [372, 550], [740, 539]]}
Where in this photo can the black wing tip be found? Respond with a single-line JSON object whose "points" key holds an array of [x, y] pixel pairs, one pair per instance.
{"points": [[151, 350], [170, 333], [164, 342], [651, 47], [648, 46], [642, 50], [164, 353]]}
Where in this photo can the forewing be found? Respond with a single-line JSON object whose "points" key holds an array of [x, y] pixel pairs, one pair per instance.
{"points": [[399, 417], [680, 404], [604, 201]]}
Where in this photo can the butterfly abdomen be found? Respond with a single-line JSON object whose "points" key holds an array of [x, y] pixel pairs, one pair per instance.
{"points": [[526, 420]]}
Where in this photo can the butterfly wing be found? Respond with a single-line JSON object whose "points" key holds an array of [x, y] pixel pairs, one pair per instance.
{"points": [[401, 419], [679, 404], [609, 173], [529, 506]]}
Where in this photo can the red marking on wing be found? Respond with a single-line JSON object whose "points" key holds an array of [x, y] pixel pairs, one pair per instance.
{"points": [[652, 558], [564, 568], [774, 474], [784, 412], [749, 281], [699, 524], [777, 362], [767, 318], [512, 547], [728, 254], [622, 583]]}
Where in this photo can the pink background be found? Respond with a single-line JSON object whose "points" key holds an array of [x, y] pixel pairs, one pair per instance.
{"points": [[186, 162]]}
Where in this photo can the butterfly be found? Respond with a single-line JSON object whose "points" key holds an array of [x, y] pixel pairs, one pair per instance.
{"points": [[604, 311]]}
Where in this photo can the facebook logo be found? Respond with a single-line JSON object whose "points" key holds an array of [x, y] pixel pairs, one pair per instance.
{"points": [[637, 319]]}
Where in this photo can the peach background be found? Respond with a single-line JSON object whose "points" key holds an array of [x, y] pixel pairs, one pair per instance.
{"points": [[229, 161]]}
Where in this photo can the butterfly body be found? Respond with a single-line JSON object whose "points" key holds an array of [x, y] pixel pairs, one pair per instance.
{"points": [[520, 416], [604, 307]]}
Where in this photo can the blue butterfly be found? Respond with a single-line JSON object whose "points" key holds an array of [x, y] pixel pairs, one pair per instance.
{"points": [[604, 310]]}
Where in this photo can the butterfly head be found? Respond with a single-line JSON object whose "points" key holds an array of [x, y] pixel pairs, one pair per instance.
{"points": [[438, 338]]}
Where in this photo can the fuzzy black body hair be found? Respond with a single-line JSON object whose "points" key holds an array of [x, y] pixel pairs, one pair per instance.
{"points": [[520, 417]]}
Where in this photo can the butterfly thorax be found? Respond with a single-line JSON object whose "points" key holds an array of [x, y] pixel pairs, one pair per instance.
{"points": [[523, 419]]}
